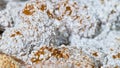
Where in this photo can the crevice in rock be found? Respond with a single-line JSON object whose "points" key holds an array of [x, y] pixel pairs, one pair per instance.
{"points": [[61, 37], [12, 23], [2, 29], [117, 23], [98, 29]]}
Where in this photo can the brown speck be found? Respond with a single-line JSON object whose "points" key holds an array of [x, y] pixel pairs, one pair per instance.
{"points": [[13, 35], [23, 54], [83, 29], [118, 55], [68, 8], [81, 21], [28, 10], [111, 49], [43, 7], [34, 60], [113, 11], [85, 7], [78, 64], [74, 4], [48, 58], [37, 2], [76, 17], [114, 57], [95, 54], [18, 33], [49, 14], [88, 17], [64, 4], [59, 18]]}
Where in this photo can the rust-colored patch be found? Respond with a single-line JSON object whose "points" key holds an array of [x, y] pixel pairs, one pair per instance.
{"points": [[81, 21], [34, 60], [116, 56], [54, 52], [18, 33], [43, 7], [95, 54], [68, 8], [59, 18], [13, 35], [49, 14], [28, 10], [76, 17]]}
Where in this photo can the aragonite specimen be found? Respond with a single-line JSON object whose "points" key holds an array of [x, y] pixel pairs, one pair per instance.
{"points": [[91, 25]]}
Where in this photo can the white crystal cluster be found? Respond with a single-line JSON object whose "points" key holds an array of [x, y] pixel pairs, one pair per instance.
{"points": [[92, 25]]}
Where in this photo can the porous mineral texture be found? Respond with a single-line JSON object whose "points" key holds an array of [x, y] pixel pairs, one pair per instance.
{"points": [[88, 26]]}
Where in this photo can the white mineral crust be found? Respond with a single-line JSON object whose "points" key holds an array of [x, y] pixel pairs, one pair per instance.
{"points": [[92, 25]]}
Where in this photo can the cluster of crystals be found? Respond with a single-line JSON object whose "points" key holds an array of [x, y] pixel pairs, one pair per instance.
{"points": [[63, 54], [42, 22], [62, 13]]}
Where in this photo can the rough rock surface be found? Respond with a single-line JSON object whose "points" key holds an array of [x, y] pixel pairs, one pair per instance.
{"points": [[91, 26]]}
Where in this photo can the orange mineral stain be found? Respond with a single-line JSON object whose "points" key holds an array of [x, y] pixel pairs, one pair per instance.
{"points": [[68, 8], [49, 14], [28, 10], [43, 7]]}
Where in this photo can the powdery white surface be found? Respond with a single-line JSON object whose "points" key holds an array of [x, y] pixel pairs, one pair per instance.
{"points": [[90, 25], [105, 51], [10, 15]]}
